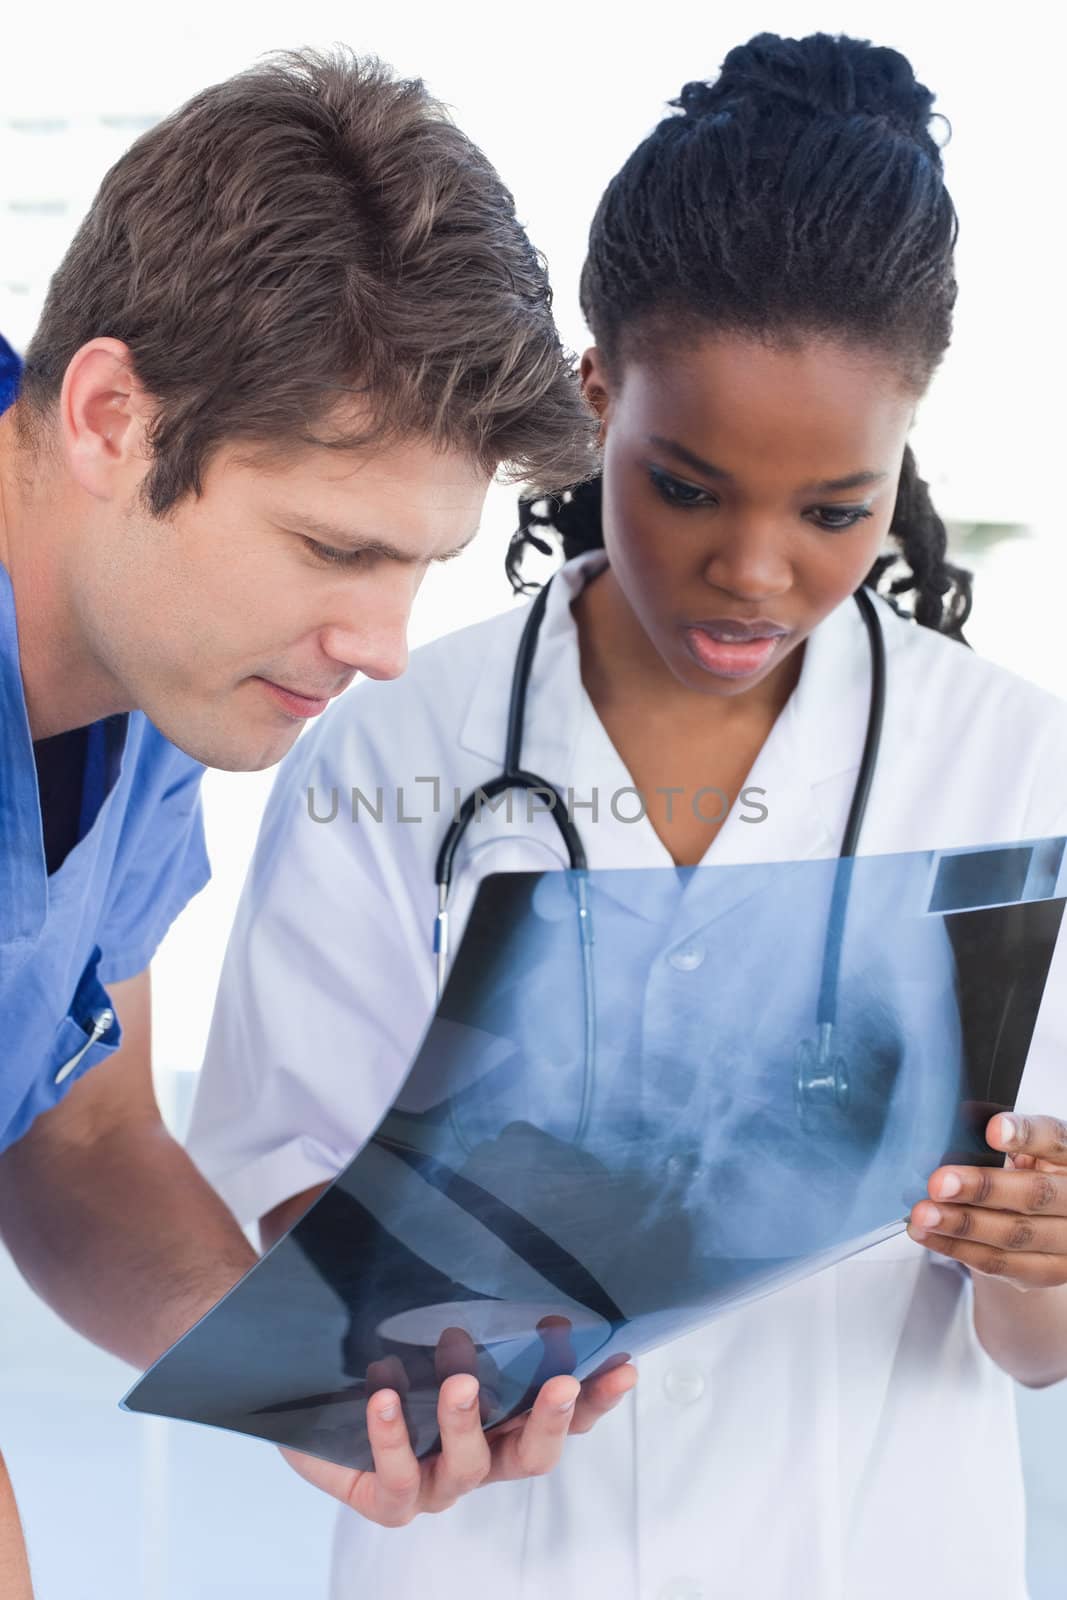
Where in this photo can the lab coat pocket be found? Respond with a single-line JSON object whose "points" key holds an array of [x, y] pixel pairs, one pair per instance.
{"points": [[87, 1034]]}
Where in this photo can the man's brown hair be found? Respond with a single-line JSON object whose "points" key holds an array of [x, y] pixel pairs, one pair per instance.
{"points": [[309, 229]]}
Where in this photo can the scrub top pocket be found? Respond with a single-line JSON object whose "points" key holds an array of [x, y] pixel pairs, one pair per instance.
{"points": [[88, 1034]]}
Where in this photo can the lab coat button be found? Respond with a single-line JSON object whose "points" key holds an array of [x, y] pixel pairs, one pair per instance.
{"points": [[687, 957], [682, 1589], [683, 1383]]}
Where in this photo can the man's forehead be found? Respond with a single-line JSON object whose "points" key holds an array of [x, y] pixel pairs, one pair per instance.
{"points": [[340, 448]]}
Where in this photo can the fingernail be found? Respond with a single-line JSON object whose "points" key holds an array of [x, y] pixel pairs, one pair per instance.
{"points": [[388, 1412], [469, 1403], [1006, 1131], [568, 1405], [949, 1185], [931, 1217], [916, 1233]]}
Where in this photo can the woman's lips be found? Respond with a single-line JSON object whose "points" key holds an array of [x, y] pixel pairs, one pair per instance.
{"points": [[731, 657]]}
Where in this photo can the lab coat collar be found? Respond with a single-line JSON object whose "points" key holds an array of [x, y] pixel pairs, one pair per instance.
{"points": [[553, 713]]}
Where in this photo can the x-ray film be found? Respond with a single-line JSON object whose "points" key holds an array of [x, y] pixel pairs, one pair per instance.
{"points": [[645, 1097]]}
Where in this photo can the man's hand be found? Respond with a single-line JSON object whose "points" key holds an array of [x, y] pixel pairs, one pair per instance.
{"points": [[525, 1447], [401, 1486], [1009, 1224]]}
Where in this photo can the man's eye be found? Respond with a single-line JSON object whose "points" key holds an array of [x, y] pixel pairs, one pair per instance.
{"points": [[835, 519], [332, 557], [676, 491]]}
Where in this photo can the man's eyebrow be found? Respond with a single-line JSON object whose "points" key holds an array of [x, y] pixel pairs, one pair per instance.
{"points": [[450, 555], [852, 480], [350, 539]]}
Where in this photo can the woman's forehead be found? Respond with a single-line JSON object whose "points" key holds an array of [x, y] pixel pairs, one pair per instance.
{"points": [[725, 406]]}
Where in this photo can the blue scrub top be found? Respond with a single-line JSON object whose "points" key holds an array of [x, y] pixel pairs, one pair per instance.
{"points": [[10, 373], [98, 918]]}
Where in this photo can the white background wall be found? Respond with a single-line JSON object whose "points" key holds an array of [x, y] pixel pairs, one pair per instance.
{"points": [[557, 95]]}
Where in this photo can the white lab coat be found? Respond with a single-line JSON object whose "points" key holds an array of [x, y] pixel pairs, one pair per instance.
{"points": [[844, 1439]]}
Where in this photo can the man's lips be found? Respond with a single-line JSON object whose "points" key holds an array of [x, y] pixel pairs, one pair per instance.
{"points": [[295, 702]]}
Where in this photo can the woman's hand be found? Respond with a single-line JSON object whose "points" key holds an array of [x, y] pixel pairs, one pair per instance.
{"points": [[1009, 1224], [401, 1486]]}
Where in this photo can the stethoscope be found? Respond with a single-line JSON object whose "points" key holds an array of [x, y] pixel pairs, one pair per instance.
{"points": [[821, 1076]]}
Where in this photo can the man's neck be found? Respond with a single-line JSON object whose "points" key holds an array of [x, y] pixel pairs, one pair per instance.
{"points": [[63, 684]]}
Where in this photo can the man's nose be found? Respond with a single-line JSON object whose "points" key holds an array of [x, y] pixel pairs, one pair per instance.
{"points": [[371, 637]]}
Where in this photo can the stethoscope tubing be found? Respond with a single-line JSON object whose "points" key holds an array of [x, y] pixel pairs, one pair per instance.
{"points": [[826, 1011], [514, 776]]}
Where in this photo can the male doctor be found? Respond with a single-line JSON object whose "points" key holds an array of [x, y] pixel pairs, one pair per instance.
{"points": [[297, 333]]}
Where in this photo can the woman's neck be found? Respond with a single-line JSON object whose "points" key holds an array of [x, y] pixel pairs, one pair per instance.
{"points": [[682, 749]]}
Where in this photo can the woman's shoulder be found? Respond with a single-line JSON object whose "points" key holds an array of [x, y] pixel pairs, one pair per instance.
{"points": [[959, 677], [960, 701]]}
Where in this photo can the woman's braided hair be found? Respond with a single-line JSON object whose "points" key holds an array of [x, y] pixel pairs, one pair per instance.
{"points": [[799, 194]]}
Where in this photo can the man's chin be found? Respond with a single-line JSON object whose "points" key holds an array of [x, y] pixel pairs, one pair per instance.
{"points": [[243, 749]]}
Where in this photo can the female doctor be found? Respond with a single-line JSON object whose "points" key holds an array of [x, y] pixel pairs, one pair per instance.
{"points": [[770, 287]]}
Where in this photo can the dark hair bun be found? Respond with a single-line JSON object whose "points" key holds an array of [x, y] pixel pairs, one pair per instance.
{"points": [[822, 74]]}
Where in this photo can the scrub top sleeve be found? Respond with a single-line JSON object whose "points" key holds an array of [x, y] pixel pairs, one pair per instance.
{"points": [[164, 863], [326, 988]]}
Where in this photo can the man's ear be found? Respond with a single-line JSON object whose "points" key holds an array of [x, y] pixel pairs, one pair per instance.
{"points": [[103, 418], [595, 386]]}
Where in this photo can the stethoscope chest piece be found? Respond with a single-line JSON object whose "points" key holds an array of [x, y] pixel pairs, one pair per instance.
{"points": [[821, 1079]]}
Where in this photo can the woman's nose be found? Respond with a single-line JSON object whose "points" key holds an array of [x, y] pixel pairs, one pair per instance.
{"points": [[750, 560]]}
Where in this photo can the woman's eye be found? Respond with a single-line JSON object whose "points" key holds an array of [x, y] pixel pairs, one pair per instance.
{"points": [[677, 492], [835, 519]]}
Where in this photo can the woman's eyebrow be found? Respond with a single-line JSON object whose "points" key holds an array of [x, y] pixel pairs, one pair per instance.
{"points": [[852, 480], [680, 453]]}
